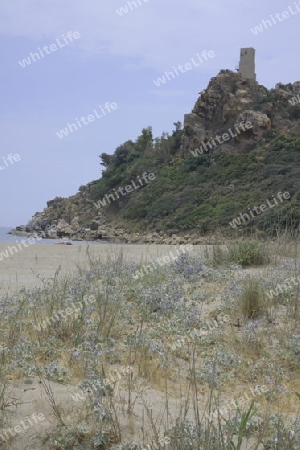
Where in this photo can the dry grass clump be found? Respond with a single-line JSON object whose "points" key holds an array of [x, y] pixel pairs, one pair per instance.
{"points": [[286, 244], [215, 255], [251, 300]]}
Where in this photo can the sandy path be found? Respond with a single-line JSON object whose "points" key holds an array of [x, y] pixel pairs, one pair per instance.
{"points": [[21, 269]]}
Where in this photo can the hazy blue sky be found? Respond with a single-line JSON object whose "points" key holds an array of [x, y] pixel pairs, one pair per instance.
{"points": [[115, 59]]}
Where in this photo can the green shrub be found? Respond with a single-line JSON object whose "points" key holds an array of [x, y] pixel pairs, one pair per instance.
{"points": [[295, 113], [269, 98], [248, 253]]}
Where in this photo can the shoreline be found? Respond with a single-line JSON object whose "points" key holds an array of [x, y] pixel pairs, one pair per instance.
{"points": [[149, 238]]}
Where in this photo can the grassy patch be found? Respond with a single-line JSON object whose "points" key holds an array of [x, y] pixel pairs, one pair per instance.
{"points": [[251, 299], [248, 253]]}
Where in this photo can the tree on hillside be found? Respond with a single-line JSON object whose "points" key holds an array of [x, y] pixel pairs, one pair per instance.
{"points": [[106, 159], [145, 141]]}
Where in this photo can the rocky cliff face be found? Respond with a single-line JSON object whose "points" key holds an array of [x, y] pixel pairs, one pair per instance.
{"points": [[227, 102], [63, 219]]}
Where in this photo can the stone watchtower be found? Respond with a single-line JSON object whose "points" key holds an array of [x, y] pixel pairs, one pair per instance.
{"points": [[247, 64]]}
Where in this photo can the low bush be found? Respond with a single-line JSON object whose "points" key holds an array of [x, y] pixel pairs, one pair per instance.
{"points": [[247, 253]]}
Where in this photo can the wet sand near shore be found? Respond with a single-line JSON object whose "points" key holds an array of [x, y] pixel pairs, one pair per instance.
{"points": [[24, 268]]}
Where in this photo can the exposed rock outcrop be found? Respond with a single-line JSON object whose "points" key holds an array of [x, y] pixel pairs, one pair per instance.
{"points": [[228, 101]]}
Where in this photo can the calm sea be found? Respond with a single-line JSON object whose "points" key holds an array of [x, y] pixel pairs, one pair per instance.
{"points": [[4, 237]]}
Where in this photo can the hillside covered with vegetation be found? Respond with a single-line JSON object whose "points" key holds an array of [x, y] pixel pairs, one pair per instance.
{"points": [[201, 193], [196, 193]]}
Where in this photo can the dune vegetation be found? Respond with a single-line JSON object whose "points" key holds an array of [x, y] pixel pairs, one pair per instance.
{"points": [[200, 353]]}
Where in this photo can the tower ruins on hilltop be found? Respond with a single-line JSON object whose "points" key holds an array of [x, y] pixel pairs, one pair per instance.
{"points": [[247, 64]]}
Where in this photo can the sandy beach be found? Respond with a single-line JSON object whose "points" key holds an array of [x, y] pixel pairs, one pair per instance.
{"points": [[25, 268], [52, 341]]}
